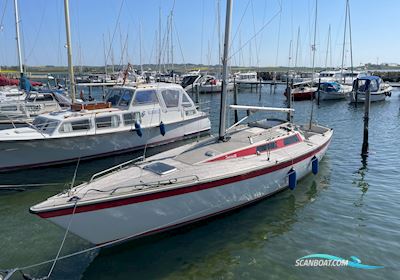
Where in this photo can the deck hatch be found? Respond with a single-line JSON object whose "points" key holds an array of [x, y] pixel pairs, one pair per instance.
{"points": [[160, 168]]}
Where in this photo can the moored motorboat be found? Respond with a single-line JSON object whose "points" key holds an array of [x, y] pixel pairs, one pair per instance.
{"points": [[130, 119], [246, 79], [333, 91], [379, 90], [302, 92]]}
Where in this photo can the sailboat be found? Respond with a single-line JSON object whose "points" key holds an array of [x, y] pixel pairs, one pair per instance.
{"points": [[242, 165]]}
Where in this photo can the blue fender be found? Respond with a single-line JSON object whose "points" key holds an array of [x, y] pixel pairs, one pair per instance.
{"points": [[138, 129], [292, 179], [162, 128]]}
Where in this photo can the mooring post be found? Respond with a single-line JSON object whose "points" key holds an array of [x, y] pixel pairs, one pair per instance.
{"points": [[197, 94], [367, 105], [235, 99], [289, 99]]}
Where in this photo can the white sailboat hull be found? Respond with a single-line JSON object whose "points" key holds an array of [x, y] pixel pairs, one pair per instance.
{"points": [[135, 217], [323, 95], [19, 154]]}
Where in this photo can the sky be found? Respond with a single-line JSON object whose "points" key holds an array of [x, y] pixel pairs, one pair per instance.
{"points": [[264, 32]]}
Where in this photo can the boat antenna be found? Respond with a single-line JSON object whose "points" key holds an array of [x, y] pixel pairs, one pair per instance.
{"points": [[69, 51], [224, 95]]}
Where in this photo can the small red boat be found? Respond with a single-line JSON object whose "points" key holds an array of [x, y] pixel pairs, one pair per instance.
{"points": [[303, 93]]}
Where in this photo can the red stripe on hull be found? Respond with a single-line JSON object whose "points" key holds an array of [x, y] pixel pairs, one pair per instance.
{"points": [[174, 192]]}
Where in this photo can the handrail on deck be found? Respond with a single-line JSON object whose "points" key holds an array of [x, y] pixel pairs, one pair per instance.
{"points": [[116, 167], [159, 182]]}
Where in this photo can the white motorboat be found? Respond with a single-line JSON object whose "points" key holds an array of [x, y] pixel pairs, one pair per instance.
{"points": [[192, 182], [36, 103], [333, 91], [210, 84], [246, 79], [132, 118], [379, 90], [190, 81]]}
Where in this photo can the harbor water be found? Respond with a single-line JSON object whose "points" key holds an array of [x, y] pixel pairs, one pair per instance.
{"points": [[350, 208]]}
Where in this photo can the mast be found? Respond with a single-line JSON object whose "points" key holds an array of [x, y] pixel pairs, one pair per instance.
{"points": [[159, 41], [313, 59], [224, 94], [328, 48], [314, 42], [69, 50], [21, 70], [351, 45], [297, 47], [344, 41], [140, 48], [105, 56]]}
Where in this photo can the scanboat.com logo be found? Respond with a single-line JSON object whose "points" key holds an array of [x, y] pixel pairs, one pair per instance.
{"points": [[333, 261]]}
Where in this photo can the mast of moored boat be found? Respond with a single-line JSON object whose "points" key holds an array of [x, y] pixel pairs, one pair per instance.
{"points": [[313, 60], [344, 44], [224, 94], [21, 69], [69, 51]]}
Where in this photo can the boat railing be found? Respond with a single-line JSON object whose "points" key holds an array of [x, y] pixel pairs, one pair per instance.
{"points": [[159, 183], [115, 168]]}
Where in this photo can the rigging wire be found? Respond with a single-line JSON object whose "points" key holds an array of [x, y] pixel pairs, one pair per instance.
{"points": [[258, 32], [37, 34], [115, 30], [279, 36], [179, 43], [2, 16]]}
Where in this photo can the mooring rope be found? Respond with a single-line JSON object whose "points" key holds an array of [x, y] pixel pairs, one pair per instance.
{"points": [[10, 272]]}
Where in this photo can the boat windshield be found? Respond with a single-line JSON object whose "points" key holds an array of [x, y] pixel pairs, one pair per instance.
{"points": [[362, 85], [45, 125], [188, 80], [120, 97]]}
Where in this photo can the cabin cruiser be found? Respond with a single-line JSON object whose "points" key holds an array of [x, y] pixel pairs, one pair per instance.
{"points": [[34, 104], [344, 76], [379, 90], [190, 81], [130, 119], [333, 91], [246, 80], [210, 84]]}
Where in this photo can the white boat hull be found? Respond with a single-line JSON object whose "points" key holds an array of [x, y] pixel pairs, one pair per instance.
{"points": [[374, 97], [48, 151], [135, 217], [214, 88], [323, 95]]}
